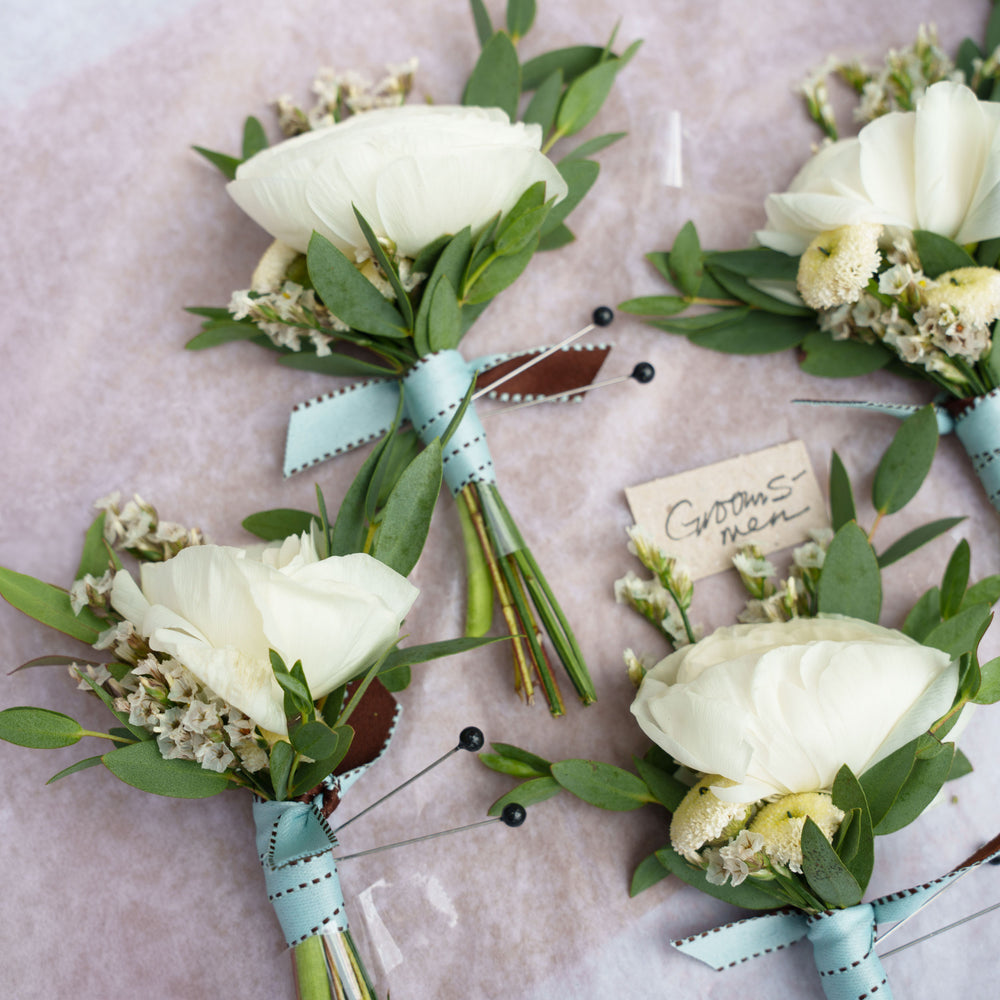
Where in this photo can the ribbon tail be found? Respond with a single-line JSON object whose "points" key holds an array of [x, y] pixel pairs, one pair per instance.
{"points": [[729, 945], [901, 410], [327, 425], [977, 426]]}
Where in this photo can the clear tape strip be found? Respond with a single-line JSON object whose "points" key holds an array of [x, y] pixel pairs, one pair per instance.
{"points": [[506, 538]]}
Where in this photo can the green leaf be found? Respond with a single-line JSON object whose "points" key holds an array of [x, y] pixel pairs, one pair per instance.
{"points": [[956, 580], [451, 263], [254, 137], [960, 766], [523, 221], [739, 287], [649, 871], [444, 321], [308, 777], [404, 446], [280, 767], [899, 787], [602, 785], [481, 17], [38, 728], [595, 145], [750, 895], [667, 790], [858, 851], [280, 523], [829, 358], [579, 176], [961, 633], [407, 516], [80, 765], [992, 30], [387, 267], [914, 539], [515, 768], [350, 528], [49, 605], [760, 263], [496, 78], [985, 591], [141, 766], [589, 91], [409, 655], [571, 62], [850, 583], [654, 305], [939, 254], [826, 874], [685, 260], [842, 509], [500, 274], [686, 325], [217, 332], [227, 164], [906, 462], [988, 253], [511, 752], [989, 688], [137, 731], [348, 294], [541, 109], [528, 793], [397, 679], [924, 615], [555, 238], [94, 558], [315, 739], [753, 332], [520, 17]]}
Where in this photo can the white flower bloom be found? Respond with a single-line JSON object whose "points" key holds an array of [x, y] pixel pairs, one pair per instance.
{"points": [[219, 611], [703, 817], [895, 280], [214, 756], [777, 708], [973, 293], [415, 173], [779, 825], [739, 854], [755, 567], [836, 266], [935, 168], [809, 556]]}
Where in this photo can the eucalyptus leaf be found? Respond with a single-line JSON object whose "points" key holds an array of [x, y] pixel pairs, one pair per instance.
{"points": [[760, 263], [829, 358], [348, 294], [481, 18], [397, 679], [753, 332], [279, 523], [924, 615], [730, 316], [602, 785], [906, 462], [520, 17], [654, 305], [571, 62], [859, 855], [407, 516], [254, 137], [137, 731], [38, 728], [956, 580], [451, 263], [579, 176], [591, 146], [511, 752], [351, 527], [985, 591], [94, 558], [685, 260], [50, 606], [513, 238], [227, 164], [989, 687], [541, 109], [666, 789], [988, 253], [280, 767], [960, 766], [500, 274], [750, 894], [50, 661], [424, 653], [850, 583], [740, 288], [444, 321], [555, 238], [960, 633], [496, 78], [141, 766], [314, 739], [587, 93], [528, 793], [967, 53], [826, 874], [387, 267], [308, 777], [649, 871], [515, 768], [221, 332], [842, 509], [938, 254], [80, 765], [914, 539]]}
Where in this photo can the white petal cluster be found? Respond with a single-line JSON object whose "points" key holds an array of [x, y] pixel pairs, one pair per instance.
{"points": [[778, 825], [836, 266]]}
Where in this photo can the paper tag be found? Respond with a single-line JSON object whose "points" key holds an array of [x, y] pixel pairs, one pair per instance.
{"points": [[703, 517]]}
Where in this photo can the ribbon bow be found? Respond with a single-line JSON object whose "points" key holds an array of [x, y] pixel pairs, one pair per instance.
{"points": [[843, 940], [976, 423], [433, 389]]}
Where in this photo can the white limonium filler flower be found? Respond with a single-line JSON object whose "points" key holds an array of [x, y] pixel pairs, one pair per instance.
{"points": [[415, 173]]}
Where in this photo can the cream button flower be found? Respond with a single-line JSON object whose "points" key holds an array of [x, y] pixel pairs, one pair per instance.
{"points": [[935, 168], [219, 611], [415, 173], [778, 707]]}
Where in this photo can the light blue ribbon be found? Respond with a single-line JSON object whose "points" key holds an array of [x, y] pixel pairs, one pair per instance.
{"points": [[843, 940], [295, 846], [977, 427]]}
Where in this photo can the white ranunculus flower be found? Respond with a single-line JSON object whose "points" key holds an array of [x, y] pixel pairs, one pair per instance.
{"points": [[779, 707], [219, 611], [935, 168], [415, 173]]}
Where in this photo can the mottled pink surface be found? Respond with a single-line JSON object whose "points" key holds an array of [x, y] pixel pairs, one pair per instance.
{"points": [[113, 225]]}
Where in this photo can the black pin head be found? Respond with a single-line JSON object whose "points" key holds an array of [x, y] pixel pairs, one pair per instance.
{"points": [[603, 316], [513, 814], [471, 739], [643, 372]]}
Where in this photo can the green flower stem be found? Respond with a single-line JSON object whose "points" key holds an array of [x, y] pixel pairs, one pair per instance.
{"points": [[312, 981], [105, 736], [479, 586]]}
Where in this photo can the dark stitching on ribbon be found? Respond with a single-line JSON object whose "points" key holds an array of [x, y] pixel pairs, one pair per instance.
{"points": [[301, 885]]}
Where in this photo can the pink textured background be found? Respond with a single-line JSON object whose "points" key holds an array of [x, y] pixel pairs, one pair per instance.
{"points": [[112, 225]]}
